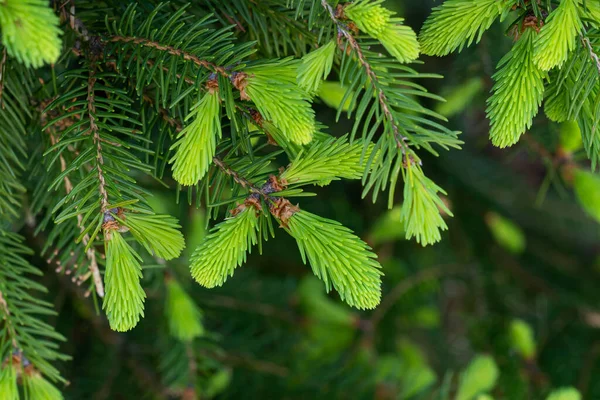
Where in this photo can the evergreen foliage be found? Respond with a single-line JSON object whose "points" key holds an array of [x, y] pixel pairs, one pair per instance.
{"points": [[118, 120]]}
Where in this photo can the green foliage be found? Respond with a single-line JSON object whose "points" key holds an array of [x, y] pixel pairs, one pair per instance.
{"points": [[480, 376], [274, 90], [339, 258], [523, 339], [8, 382], [587, 190], [38, 388], [570, 136], [460, 97], [13, 120], [327, 160], [422, 206], [124, 300], [567, 393], [320, 307], [333, 94], [23, 329], [224, 249], [508, 234], [181, 312], [378, 22], [456, 24], [30, 32], [197, 142], [558, 35], [315, 67], [517, 78], [159, 234]]}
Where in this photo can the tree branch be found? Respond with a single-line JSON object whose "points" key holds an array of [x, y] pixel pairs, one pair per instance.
{"points": [[344, 31]]}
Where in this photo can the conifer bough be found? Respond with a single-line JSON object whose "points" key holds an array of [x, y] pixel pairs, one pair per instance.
{"points": [[177, 95]]}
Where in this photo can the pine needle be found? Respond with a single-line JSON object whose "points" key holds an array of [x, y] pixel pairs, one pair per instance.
{"points": [[124, 298], [159, 234], [558, 36], [30, 31], [457, 24], [315, 67], [224, 249], [274, 90], [197, 142], [517, 93], [339, 258], [182, 314]]}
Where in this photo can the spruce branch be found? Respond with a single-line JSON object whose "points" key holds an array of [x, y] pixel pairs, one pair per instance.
{"points": [[225, 248], [519, 78], [337, 257], [374, 79], [95, 133], [90, 252], [456, 24], [592, 53], [173, 51], [557, 37]]}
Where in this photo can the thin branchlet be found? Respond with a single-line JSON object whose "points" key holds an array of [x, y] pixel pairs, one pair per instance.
{"points": [[344, 31], [173, 51], [95, 133]]}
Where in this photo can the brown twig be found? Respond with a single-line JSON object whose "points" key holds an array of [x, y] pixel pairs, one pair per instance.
{"points": [[95, 132], [90, 253], [172, 50]]}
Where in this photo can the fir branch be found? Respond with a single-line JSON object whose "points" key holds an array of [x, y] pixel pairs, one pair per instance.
{"points": [[594, 57], [374, 79], [95, 133], [173, 51], [337, 257], [225, 248], [90, 252]]}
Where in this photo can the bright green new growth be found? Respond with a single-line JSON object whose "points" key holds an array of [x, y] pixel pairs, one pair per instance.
{"points": [[567, 393], [274, 90], [421, 208], [36, 387], [480, 376], [124, 298], [224, 249], [339, 258], [181, 312], [159, 234], [315, 67], [523, 339], [380, 23], [30, 31], [328, 160], [556, 103], [8, 382], [517, 93], [558, 36], [459, 23], [507, 233], [587, 190], [197, 142]]}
